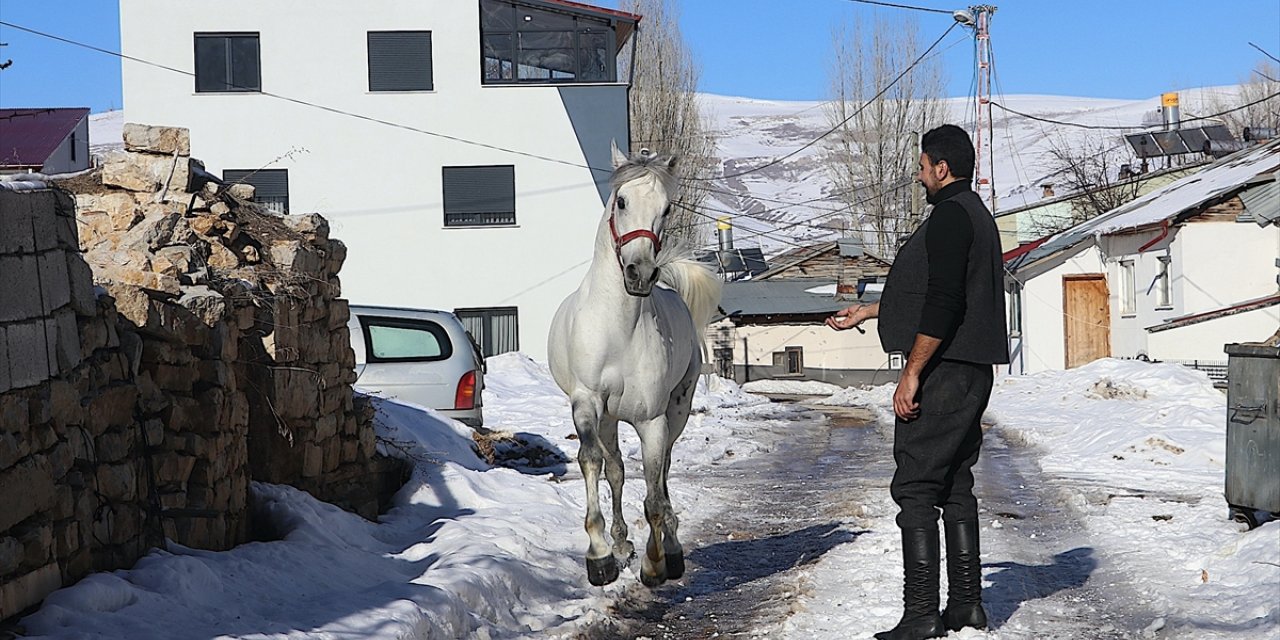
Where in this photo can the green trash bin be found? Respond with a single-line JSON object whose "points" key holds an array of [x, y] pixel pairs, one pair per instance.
{"points": [[1253, 431]]}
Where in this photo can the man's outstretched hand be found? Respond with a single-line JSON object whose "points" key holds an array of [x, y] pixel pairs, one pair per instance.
{"points": [[851, 317]]}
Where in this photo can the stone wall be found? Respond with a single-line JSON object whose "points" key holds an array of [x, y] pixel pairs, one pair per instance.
{"points": [[215, 353]]}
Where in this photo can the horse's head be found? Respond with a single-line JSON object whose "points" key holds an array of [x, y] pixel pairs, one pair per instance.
{"points": [[643, 188]]}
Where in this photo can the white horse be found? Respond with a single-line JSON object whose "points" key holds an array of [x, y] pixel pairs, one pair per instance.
{"points": [[623, 349]]}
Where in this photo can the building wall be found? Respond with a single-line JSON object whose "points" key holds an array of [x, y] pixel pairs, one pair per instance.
{"points": [[839, 357], [1042, 338], [72, 155], [1205, 341], [1213, 264], [380, 186]]}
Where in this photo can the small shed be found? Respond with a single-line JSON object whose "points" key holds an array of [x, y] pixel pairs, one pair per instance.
{"points": [[49, 141]]}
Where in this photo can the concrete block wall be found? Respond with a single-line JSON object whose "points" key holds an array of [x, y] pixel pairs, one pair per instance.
{"points": [[38, 334]]}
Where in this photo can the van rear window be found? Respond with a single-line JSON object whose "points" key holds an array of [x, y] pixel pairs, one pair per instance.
{"points": [[397, 340]]}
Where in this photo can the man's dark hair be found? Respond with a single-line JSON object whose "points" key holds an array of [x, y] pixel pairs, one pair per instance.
{"points": [[952, 144]]}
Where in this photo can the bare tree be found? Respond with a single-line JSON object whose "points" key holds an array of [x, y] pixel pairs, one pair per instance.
{"points": [[1263, 81], [876, 149], [665, 112], [1092, 167]]}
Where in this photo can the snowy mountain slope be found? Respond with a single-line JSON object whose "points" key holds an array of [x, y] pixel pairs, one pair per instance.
{"points": [[754, 132]]}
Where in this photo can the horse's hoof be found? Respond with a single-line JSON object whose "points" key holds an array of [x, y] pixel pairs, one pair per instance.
{"points": [[652, 581], [675, 565], [602, 571]]}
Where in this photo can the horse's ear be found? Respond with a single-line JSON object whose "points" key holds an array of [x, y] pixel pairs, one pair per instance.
{"points": [[619, 158]]}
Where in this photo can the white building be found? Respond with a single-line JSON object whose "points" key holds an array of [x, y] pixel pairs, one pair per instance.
{"points": [[1171, 276], [774, 323], [460, 148]]}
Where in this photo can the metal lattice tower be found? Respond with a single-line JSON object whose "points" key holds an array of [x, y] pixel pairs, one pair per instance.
{"points": [[984, 134]]}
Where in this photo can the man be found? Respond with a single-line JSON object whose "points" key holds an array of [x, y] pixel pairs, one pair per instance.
{"points": [[943, 306]]}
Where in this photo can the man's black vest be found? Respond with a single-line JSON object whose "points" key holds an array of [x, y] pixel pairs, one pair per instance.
{"points": [[982, 336]]}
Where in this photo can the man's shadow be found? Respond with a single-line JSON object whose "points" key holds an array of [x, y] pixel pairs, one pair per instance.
{"points": [[1013, 583]]}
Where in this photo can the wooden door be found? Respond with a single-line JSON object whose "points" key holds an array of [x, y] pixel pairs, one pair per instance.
{"points": [[1086, 318]]}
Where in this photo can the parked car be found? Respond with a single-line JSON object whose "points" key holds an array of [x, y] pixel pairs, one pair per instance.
{"points": [[421, 356]]}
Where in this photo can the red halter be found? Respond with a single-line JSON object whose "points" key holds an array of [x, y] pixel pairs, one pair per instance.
{"points": [[619, 241]]}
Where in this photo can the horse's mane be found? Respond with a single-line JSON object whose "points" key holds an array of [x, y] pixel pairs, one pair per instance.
{"points": [[646, 164]]}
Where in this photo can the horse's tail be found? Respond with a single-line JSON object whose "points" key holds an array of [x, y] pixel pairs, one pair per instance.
{"points": [[697, 285]]}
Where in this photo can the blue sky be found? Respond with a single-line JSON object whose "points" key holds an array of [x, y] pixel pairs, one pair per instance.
{"points": [[778, 49]]}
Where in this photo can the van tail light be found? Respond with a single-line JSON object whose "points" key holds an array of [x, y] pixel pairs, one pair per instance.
{"points": [[466, 396]]}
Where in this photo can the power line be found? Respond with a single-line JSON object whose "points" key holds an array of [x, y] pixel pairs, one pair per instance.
{"points": [[1130, 128], [1264, 52], [901, 6], [846, 120], [313, 105]]}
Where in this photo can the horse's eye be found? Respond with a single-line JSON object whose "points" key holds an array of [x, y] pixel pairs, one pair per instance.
{"points": [[666, 212], [622, 203]]}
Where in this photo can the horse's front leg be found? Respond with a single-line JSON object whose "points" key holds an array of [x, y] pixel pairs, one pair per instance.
{"points": [[677, 416], [653, 447], [602, 568], [623, 550]]}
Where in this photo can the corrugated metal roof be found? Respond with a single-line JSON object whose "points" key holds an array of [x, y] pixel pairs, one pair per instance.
{"points": [[1263, 202], [29, 136], [1215, 181], [782, 297]]}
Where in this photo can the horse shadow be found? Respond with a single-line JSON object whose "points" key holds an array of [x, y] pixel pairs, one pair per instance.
{"points": [[1014, 583], [725, 566]]}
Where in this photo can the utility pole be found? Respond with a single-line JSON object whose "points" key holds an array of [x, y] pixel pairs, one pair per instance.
{"points": [[985, 126]]}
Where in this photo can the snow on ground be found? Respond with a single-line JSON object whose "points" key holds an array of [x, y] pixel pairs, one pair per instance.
{"points": [[792, 387], [467, 550], [1138, 451]]}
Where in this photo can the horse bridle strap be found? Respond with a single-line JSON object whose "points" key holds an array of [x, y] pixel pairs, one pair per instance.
{"points": [[619, 241]]}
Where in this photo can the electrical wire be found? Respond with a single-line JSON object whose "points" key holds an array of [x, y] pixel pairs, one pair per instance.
{"points": [[901, 6], [841, 124], [313, 105], [1130, 128]]}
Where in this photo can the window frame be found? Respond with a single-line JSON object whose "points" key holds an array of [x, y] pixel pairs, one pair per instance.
{"points": [[1128, 289], [609, 30], [444, 199], [486, 314], [228, 81], [367, 322], [265, 203], [431, 72], [1163, 286]]}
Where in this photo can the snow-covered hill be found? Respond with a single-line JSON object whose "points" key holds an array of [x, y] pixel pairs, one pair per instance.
{"points": [[753, 132]]}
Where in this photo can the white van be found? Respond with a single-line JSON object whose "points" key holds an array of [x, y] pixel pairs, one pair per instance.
{"points": [[421, 356]]}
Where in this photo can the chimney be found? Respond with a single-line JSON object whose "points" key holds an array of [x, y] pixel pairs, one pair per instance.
{"points": [[1169, 108], [1048, 189], [724, 232]]}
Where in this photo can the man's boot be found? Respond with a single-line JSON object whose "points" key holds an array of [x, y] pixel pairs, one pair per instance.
{"points": [[920, 557], [964, 577]]}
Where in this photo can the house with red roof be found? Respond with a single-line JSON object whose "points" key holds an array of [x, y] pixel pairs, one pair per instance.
{"points": [[48, 141]]}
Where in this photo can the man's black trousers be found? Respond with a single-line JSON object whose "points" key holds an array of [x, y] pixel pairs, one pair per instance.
{"points": [[936, 451]]}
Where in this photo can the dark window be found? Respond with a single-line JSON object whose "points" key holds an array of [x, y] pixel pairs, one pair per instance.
{"points": [[400, 61], [400, 340], [525, 44], [227, 62], [270, 186], [792, 360], [74, 144], [479, 196], [496, 330]]}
